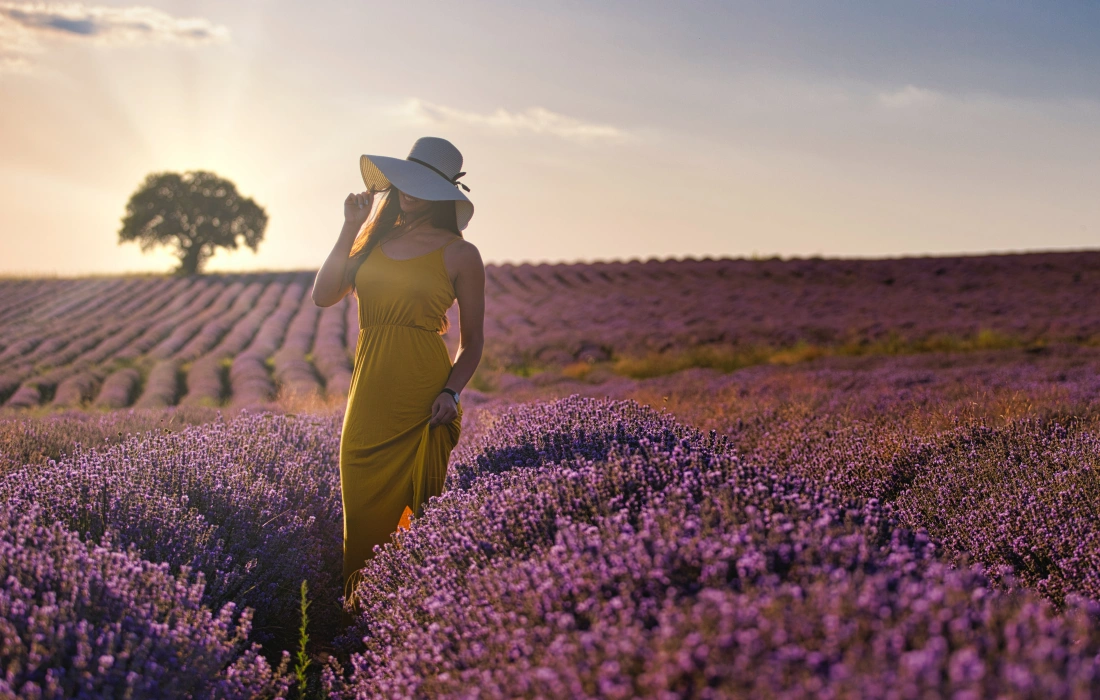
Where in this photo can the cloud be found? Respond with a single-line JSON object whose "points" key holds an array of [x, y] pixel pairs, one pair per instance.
{"points": [[14, 64], [908, 96], [537, 120], [25, 29]]}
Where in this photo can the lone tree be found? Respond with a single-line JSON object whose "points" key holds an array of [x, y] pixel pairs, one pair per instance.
{"points": [[196, 212]]}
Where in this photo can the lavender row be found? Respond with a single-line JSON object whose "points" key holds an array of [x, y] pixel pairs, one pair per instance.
{"points": [[28, 389], [136, 316], [56, 435], [188, 326], [994, 458], [329, 353], [188, 340], [292, 370], [216, 326], [205, 381], [119, 389], [162, 387], [249, 376], [19, 299], [227, 320], [1025, 496], [59, 341], [199, 298], [79, 383]]}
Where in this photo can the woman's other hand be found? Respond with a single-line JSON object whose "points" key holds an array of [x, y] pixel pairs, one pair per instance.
{"points": [[357, 207], [444, 410]]}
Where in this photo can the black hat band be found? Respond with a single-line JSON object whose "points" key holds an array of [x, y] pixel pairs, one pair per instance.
{"points": [[453, 181]]}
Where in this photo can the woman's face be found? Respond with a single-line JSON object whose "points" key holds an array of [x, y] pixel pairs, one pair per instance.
{"points": [[412, 205]]}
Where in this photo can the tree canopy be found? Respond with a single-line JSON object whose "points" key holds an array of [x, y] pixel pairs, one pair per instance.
{"points": [[196, 212]]}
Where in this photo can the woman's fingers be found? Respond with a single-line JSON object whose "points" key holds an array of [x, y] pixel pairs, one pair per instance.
{"points": [[442, 412], [361, 199]]}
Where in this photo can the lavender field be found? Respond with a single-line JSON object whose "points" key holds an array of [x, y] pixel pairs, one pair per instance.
{"points": [[877, 489], [252, 339]]}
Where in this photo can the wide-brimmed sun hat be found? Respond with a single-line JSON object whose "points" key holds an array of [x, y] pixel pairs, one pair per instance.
{"points": [[430, 171]]}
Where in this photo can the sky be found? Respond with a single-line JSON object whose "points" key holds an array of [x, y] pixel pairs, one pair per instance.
{"points": [[591, 131]]}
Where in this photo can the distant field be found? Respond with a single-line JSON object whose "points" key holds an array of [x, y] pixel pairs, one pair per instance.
{"points": [[243, 339]]}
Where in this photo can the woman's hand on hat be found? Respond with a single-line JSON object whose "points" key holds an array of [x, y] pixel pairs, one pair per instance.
{"points": [[357, 207]]}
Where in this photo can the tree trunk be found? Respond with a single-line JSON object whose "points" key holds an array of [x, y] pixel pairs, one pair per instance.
{"points": [[189, 261]]}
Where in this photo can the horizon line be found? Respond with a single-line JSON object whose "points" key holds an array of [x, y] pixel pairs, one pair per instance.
{"points": [[634, 260]]}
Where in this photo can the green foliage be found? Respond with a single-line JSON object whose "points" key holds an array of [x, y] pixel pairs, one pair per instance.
{"points": [[196, 212], [729, 358], [482, 380], [303, 658]]}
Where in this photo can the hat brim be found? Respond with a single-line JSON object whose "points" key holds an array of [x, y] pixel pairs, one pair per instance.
{"points": [[415, 180]]}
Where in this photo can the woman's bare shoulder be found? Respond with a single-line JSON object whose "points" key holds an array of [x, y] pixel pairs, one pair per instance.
{"points": [[463, 261], [467, 251]]}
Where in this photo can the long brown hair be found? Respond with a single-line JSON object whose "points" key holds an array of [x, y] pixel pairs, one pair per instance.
{"points": [[388, 219]]}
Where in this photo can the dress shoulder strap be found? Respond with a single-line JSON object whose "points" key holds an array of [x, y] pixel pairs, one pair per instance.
{"points": [[442, 262], [443, 247]]}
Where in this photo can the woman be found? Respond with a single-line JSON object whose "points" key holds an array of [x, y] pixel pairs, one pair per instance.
{"points": [[407, 263]]}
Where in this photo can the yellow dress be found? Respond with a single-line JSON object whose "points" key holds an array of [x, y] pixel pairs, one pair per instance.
{"points": [[391, 459]]}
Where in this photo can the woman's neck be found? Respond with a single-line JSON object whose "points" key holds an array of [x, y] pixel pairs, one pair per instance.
{"points": [[413, 226]]}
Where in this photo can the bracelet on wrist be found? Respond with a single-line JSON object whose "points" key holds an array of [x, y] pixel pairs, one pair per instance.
{"points": [[452, 392]]}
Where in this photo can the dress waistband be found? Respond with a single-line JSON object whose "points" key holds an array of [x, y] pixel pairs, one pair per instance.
{"points": [[406, 325]]}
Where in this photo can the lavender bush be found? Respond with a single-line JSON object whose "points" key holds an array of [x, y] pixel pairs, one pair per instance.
{"points": [[119, 388], [79, 619], [78, 389], [253, 504], [162, 385], [1026, 496], [58, 435]]}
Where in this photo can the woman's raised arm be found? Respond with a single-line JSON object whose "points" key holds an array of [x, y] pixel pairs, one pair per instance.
{"points": [[331, 283]]}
